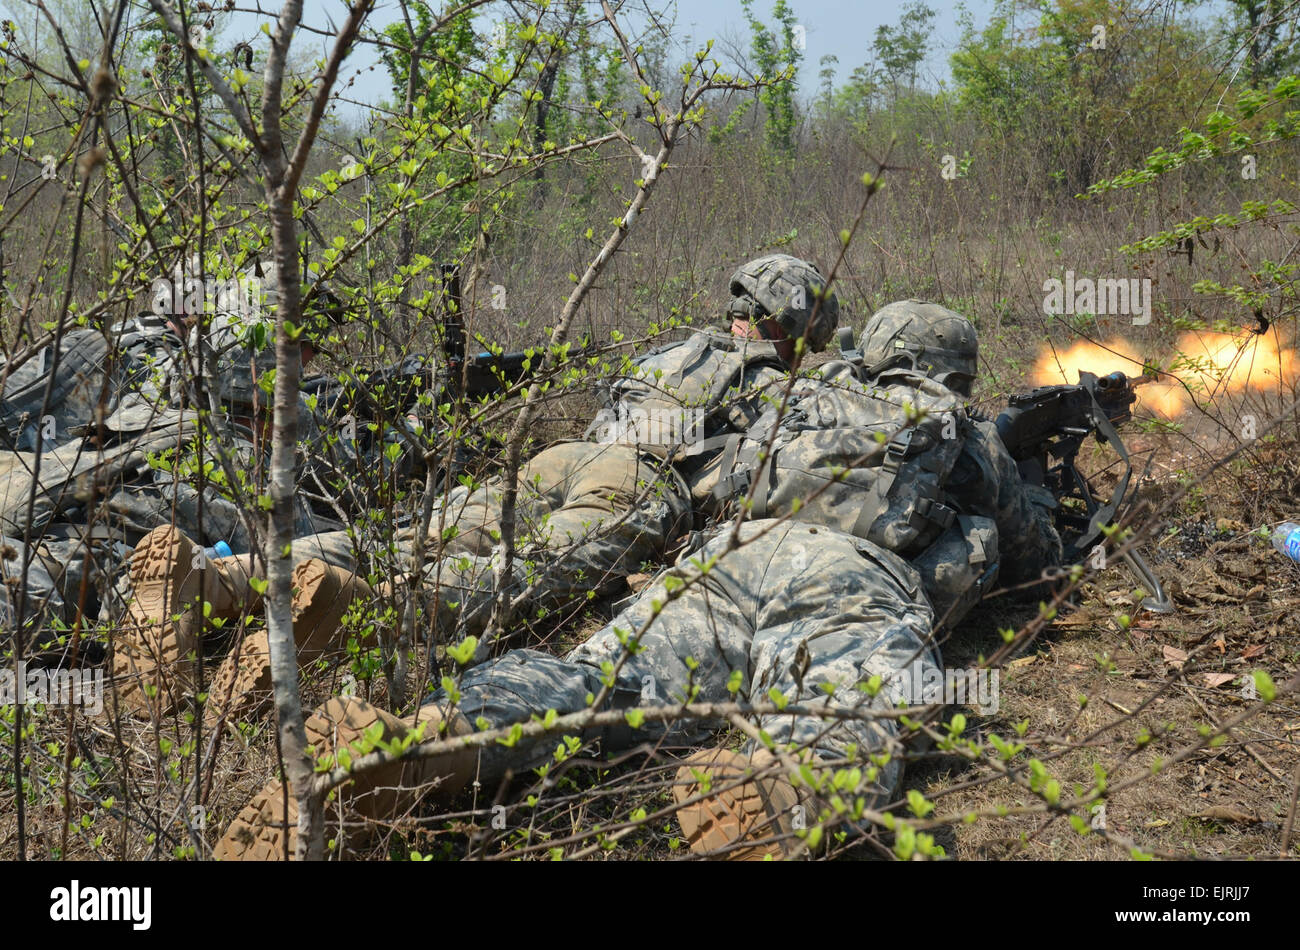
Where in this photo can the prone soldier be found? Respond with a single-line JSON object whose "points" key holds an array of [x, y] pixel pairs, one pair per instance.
{"points": [[592, 510], [810, 600]]}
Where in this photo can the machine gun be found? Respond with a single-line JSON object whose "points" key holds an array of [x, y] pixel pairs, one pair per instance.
{"points": [[394, 390], [391, 393], [1044, 429]]}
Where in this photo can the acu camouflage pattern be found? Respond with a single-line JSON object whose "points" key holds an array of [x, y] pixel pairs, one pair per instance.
{"points": [[588, 516], [939, 340], [986, 480], [938, 490], [856, 458], [233, 365], [676, 397], [137, 355], [138, 369], [795, 607], [591, 513]]}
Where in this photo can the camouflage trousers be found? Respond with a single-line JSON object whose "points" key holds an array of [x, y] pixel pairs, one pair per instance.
{"points": [[587, 515], [74, 563], [800, 609]]}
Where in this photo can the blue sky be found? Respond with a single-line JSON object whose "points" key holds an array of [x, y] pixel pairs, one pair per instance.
{"points": [[844, 29], [840, 28]]}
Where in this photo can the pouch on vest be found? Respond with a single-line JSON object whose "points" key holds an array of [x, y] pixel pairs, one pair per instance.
{"points": [[679, 398], [960, 567]]}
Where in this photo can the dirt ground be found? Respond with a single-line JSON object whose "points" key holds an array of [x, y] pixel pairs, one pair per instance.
{"points": [[1094, 692]]}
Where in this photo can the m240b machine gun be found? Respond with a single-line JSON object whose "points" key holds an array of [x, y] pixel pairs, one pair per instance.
{"points": [[1044, 429]]}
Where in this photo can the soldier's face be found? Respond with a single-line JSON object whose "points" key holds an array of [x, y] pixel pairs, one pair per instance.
{"points": [[766, 329]]}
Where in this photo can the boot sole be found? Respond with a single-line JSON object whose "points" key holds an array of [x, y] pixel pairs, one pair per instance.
{"points": [[751, 810], [158, 648], [321, 595], [259, 832]]}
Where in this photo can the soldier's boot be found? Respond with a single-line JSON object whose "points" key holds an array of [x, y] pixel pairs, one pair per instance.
{"points": [[741, 807], [322, 594], [259, 832], [155, 657]]}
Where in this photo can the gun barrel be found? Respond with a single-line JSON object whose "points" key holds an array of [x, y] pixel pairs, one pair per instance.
{"points": [[1118, 380]]}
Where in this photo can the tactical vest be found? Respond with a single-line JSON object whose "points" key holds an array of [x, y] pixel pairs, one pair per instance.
{"points": [[145, 359], [856, 458], [678, 398], [232, 364]]}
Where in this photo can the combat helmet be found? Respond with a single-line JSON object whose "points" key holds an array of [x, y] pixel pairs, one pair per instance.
{"points": [[786, 290], [934, 340]]}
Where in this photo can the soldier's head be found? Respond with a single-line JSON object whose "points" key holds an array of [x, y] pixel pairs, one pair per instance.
{"points": [[774, 298], [242, 343], [931, 339]]}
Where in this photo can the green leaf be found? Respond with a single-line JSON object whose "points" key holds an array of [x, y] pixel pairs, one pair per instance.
{"points": [[516, 733], [1264, 686], [463, 652], [904, 842]]}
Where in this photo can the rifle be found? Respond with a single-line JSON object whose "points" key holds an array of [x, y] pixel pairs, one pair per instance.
{"points": [[395, 389], [1044, 429]]}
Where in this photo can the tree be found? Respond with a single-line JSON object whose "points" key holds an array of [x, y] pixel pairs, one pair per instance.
{"points": [[901, 49], [1263, 33], [776, 58]]}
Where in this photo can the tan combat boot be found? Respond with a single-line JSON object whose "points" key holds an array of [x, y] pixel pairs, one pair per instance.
{"points": [[740, 808], [155, 657], [321, 595], [259, 833]]}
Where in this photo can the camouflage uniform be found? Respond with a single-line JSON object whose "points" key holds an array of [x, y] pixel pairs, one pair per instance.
{"points": [[796, 607], [801, 609], [92, 366], [942, 492], [913, 337], [138, 369], [595, 511], [804, 607]]}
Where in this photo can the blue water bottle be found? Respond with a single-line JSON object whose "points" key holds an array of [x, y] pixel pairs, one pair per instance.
{"points": [[1286, 538], [220, 549]]}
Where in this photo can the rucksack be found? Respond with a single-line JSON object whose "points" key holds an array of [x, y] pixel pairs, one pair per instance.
{"points": [[679, 397], [868, 460]]}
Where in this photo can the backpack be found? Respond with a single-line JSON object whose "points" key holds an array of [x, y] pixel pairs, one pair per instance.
{"points": [[855, 457], [678, 398]]}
